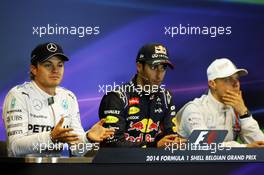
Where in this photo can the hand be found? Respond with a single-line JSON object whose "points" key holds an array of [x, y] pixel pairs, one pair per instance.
{"points": [[256, 144], [98, 133], [60, 134], [236, 101], [169, 139]]}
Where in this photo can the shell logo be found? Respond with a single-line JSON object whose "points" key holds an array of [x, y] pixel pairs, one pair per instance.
{"points": [[133, 110]]}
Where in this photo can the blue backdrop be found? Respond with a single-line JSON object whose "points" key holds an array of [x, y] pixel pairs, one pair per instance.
{"points": [[106, 55]]}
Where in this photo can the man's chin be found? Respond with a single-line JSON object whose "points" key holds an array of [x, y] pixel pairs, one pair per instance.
{"points": [[54, 83]]}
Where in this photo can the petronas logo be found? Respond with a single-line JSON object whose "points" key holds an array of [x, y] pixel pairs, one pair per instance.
{"points": [[65, 104]]}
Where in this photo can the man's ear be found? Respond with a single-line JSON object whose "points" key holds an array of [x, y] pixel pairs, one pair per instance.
{"points": [[212, 84], [139, 67], [33, 69]]}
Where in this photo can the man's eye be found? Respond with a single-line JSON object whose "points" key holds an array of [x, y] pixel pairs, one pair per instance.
{"points": [[47, 65], [60, 65], [164, 67], [153, 67]]}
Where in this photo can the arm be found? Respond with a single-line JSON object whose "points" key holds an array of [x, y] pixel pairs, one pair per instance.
{"points": [[192, 119], [112, 109], [87, 140], [169, 120], [78, 129], [15, 116], [250, 131]]}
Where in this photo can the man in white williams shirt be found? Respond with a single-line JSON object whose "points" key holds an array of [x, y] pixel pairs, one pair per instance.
{"points": [[222, 108], [41, 117]]}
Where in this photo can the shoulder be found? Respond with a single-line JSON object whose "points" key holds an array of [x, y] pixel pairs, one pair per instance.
{"points": [[117, 97], [66, 92], [20, 90], [167, 95], [195, 106]]}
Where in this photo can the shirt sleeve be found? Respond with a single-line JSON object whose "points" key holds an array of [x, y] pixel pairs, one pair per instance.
{"points": [[15, 116], [250, 130], [192, 119], [170, 116], [112, 108], [81, 148]]}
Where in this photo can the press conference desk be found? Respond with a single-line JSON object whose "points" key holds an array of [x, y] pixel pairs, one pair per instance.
{"points": [[130, 160]]}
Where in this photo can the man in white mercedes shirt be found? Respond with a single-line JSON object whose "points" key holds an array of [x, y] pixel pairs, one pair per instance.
{"points": [[40, 117], [222, 108]]}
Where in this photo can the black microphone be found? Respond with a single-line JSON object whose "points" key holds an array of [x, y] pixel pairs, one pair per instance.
{"points": [[50, 100]]}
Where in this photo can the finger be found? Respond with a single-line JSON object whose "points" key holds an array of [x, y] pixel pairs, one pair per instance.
{"points": [[109, 132], [229, 100], [171, 136], [260, 142], [107, 136], [60, 123], [229, 103], [110, 129], [231, 93], [101, 122], [180, 140], [168, 141], [65, 132], [230, 97]]}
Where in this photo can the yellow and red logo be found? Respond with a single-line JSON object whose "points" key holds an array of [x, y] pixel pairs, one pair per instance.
{"points": [[133, 101], [145, 126], [111, 119], [133, 110]]}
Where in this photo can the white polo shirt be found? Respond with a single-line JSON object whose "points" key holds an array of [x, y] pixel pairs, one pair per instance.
{"points": [[207, 113]]}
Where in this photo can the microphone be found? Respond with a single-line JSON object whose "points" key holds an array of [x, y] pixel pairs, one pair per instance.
{"points": [[50, 101]]}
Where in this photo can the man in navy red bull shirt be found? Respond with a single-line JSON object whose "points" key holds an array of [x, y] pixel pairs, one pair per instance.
{"points": [[142, 111]]}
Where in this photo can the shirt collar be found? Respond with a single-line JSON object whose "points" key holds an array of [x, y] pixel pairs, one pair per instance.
{"points": [[43, 93], [138, 90]]}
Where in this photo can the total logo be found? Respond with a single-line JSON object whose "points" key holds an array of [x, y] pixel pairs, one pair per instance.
{"points": [[145, 126]]}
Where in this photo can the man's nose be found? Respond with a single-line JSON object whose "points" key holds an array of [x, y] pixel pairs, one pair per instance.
{"points": [[236, 83], [55, 68]]}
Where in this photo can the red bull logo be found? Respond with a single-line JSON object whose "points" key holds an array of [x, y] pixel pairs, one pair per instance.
{"points": [[144, 126]]}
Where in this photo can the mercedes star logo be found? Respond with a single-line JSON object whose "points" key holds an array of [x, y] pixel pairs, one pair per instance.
{"points": [[52, 47]]}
